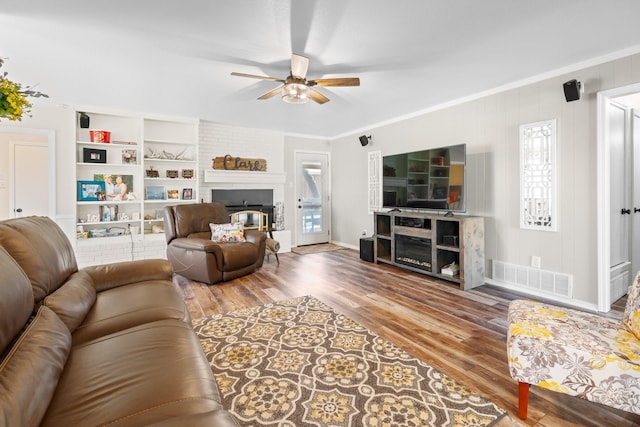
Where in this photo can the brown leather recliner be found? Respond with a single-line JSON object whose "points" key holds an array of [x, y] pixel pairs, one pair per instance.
{"points": [[195, 256]]}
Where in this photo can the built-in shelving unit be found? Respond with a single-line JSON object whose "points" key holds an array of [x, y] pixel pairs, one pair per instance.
{"points": [[166, 146], [429, 243]]}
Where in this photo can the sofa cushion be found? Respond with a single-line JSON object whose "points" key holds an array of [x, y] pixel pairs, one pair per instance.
{"points": [[41, 249], [73, 301], [232, 232], [30, 371], [631, 316], [135, 377], [16, 299], [123, 307]]}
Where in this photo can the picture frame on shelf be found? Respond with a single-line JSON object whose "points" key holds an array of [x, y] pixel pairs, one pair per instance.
{"points": [[173, 194], [187, 194], [88, 191], [172, 173], [108, 213], [152, 173], [94, 155], [118, 187], [187, 173], [129, 157], [155, 192]]}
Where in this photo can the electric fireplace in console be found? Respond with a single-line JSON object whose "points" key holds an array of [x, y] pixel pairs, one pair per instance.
{"points": [[413, 251]]}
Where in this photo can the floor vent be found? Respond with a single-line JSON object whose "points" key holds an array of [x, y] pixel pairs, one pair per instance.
{"points": [[533, 278]]}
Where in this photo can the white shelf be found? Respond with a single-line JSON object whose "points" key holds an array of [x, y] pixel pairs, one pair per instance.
{"points": [[125, 165], [108, 202], [166, 142], [182, 180], [109, 144], [105, 223], [149, 159]]}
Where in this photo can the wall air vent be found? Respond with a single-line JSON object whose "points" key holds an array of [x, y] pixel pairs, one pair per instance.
{"points": [[519, 276]]}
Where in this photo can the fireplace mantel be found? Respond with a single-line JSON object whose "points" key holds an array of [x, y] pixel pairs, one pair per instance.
{"points": [[243, 177], [221, 179]]}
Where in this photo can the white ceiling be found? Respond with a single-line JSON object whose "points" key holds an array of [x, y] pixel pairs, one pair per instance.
{"points": [[175, 57]]}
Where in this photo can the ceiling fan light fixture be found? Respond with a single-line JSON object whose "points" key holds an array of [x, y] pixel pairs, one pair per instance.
{"points": [[295, 93]]}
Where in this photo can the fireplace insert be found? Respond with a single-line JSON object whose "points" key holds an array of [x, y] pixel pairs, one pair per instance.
{"points": [[413, 251], [246, 200]]}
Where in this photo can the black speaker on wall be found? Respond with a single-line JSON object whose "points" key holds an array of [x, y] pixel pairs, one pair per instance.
{"points": [[572, 90], [364, 140]]}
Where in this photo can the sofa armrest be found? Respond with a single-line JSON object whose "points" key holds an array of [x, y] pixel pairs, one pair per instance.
{"points": [[196, 244], [122, 273], [217, 418], [255, 236]]}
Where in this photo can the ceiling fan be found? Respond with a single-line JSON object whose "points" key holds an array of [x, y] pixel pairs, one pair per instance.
{"points": [[296, 89]]}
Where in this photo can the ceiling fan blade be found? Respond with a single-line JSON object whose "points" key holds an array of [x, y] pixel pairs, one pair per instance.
{"points": [[338, 81], [272, 93], [253, 76], [299, 66], [317, 96]]}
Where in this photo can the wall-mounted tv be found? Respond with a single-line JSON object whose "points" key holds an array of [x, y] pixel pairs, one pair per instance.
{"points": [[428, 179]]}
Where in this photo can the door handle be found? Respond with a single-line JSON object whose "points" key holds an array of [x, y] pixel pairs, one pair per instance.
{"points": [[636, 210], [19, 210], [625, 211]]}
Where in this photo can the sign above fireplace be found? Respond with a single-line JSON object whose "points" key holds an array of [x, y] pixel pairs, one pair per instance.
{"points": [[228, 162]]}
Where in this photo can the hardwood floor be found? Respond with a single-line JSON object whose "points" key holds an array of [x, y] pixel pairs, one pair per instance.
{"points": [[461, 333]]}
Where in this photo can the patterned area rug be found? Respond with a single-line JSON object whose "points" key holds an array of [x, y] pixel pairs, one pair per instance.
{"points": [[300, 363], [314, 249]]}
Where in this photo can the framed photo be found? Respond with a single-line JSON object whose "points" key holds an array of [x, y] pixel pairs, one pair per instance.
{"points": [[187, 173], [129, 157], [88, 191], [187, 193], [172, 173], [152, 173], [155, 192], [173, 194], [117, 186], [94, 155], [108, 213]]}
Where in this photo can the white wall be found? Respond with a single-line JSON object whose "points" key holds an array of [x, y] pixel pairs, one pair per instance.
{"points": [[489, 127]]}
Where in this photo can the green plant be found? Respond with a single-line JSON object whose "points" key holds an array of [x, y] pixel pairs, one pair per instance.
{"points": [[13, 98]]}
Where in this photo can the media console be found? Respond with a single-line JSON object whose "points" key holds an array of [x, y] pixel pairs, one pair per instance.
{"points": [[432, 244]]}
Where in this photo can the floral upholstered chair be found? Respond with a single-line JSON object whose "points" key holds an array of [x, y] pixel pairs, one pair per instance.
{"points": [[577, 353]]}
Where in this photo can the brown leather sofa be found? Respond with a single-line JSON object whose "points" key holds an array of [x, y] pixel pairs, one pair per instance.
{"points": [[195, 256], [105, 345]]}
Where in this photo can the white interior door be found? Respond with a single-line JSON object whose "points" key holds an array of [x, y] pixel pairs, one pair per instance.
{"points": [[312, 198], [29, 183], [635, 207], [620, 207]]}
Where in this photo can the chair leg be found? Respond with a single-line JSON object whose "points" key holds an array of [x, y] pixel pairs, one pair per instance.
{"points": [[523, 399], [276, 254]]}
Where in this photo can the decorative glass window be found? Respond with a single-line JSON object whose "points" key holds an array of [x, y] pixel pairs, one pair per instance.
{"points": [[538, 192], [374, 202]]}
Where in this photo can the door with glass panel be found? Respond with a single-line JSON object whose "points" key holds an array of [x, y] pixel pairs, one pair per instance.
{"points": [[312, 198]]}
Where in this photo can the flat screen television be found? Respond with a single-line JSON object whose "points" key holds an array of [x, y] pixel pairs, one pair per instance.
{"points": [[428, 179]]}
